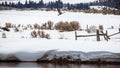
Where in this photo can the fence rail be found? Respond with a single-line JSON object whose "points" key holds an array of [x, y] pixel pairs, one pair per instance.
{"points": [[85, 35], [115, 33]]}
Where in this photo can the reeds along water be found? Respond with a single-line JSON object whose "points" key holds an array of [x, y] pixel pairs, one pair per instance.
{"points": [[46, 65]]}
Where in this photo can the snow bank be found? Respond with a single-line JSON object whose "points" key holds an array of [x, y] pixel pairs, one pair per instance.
{"points": [[43, 49], [53, 55]]}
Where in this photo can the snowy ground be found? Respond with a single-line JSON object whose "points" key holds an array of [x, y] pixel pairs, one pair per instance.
{"points": [[24, 47], [37, 16]]}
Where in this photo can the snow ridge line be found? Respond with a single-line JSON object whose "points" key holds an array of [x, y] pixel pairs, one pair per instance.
{"points": [[55, 56]]}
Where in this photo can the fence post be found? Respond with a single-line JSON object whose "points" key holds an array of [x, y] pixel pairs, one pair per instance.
{"points": [[97, 36], [106, 35], [119, 30], [75, 35]]}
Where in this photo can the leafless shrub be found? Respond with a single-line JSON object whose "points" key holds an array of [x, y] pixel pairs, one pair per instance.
{"points": [[8, 25], [34, 34], [24, 28], [91, 29], [13, 26], [75, 25], [30, 27], [67, 26], [59, 25], [88, 30], [47, 36], [36, 26], [50, 24], [101, 28], [19, 25], [4, 35], [44, 26], [16, 30], [40, 34]]}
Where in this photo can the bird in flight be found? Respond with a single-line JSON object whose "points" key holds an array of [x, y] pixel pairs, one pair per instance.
{"points": [[59, 11]]}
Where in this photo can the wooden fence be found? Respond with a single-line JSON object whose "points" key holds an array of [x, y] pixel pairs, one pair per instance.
{"points": [[98, 34], [115, 33]]}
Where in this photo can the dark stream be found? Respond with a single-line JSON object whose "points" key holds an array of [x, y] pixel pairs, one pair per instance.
{"points": [[49, 65]]}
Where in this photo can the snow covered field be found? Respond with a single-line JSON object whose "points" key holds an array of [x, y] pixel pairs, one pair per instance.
{"points": [[37, 16], [30, 49]]}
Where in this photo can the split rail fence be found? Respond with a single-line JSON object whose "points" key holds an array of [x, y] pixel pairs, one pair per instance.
{"points": [[98, 34]]}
